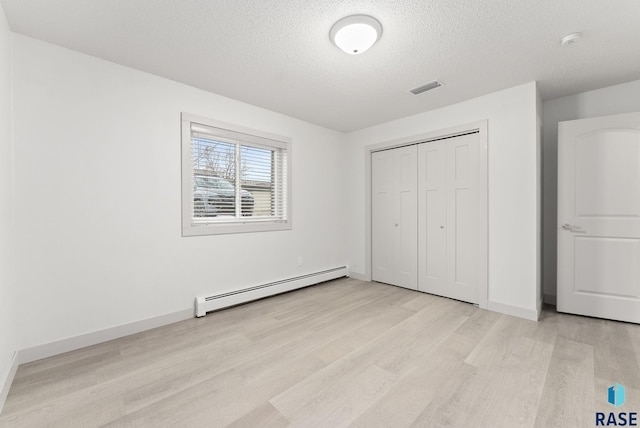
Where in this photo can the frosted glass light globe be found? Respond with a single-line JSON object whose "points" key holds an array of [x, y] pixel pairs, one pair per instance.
{"points": [[356, 34]]}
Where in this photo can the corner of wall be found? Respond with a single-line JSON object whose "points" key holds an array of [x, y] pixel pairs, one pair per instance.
{"points": [[515, 311], [5, 385], [550, 299], [539, 198], [8, 334]]}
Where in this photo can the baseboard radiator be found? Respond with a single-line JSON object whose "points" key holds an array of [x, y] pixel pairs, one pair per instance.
{"points": [[214, 302]]}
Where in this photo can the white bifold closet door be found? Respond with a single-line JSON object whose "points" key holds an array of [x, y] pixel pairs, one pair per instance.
{"points": [[394, 217], [448, 204]]}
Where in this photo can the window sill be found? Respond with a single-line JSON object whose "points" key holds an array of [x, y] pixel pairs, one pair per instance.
{"points": [[227, 228]]}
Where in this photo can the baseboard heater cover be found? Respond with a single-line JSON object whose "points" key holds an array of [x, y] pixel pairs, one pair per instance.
{"points": [[210, 303]]}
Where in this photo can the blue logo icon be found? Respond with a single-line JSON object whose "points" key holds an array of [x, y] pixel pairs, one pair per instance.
{"points": [[616, 395], [616, 419]]}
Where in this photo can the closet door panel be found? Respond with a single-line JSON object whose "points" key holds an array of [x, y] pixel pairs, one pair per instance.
{"points": [[462, 205], [394, 217], [381, 216], [406, 217], [432, 218]]}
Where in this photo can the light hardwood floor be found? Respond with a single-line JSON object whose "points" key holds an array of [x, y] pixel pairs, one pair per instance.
{"points": [[342, 353]]}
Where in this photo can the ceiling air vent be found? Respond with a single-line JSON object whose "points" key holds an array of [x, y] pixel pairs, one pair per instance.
{"points": [[424, 88]]}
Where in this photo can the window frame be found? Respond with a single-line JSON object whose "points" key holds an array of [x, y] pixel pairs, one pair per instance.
{"points": [[239, 134]]}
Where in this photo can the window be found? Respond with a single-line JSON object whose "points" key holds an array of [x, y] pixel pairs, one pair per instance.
{"points": [[233, 179]]}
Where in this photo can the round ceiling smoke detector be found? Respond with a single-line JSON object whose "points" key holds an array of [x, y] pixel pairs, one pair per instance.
{"points": [[356, 33], [570, 39]]}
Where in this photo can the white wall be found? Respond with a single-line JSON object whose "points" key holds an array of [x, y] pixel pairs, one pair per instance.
{"points": [[8, 338], [618, 99], [97, 161], [513, 187]]}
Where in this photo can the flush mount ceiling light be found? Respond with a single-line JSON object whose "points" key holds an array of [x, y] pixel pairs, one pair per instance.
{"points": [[356, 33]]}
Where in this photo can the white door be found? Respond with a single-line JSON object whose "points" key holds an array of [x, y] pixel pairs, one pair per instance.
{"points": [[448, 208], [394, 216], [599, 217]]}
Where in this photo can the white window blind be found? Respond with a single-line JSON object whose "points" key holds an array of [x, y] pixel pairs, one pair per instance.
{"points": [[236, 178]]}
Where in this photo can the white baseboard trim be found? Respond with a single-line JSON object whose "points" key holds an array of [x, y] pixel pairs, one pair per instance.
{"points": [[528, 314], [6, 384], [359, 276], [550, 299], [38, 352]]}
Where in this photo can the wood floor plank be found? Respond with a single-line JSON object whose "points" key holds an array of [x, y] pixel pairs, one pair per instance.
{"points": [[410, 396], [522, 368], [449, 408], [265, 416], [345, 342], [412, 340], [393, 353], [478, 324], [634, 333], [335, 398], [342, 353], [568, 395], [614, 355]]}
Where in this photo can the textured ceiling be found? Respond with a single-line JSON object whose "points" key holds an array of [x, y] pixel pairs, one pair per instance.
{"points": [[277, 53]]}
